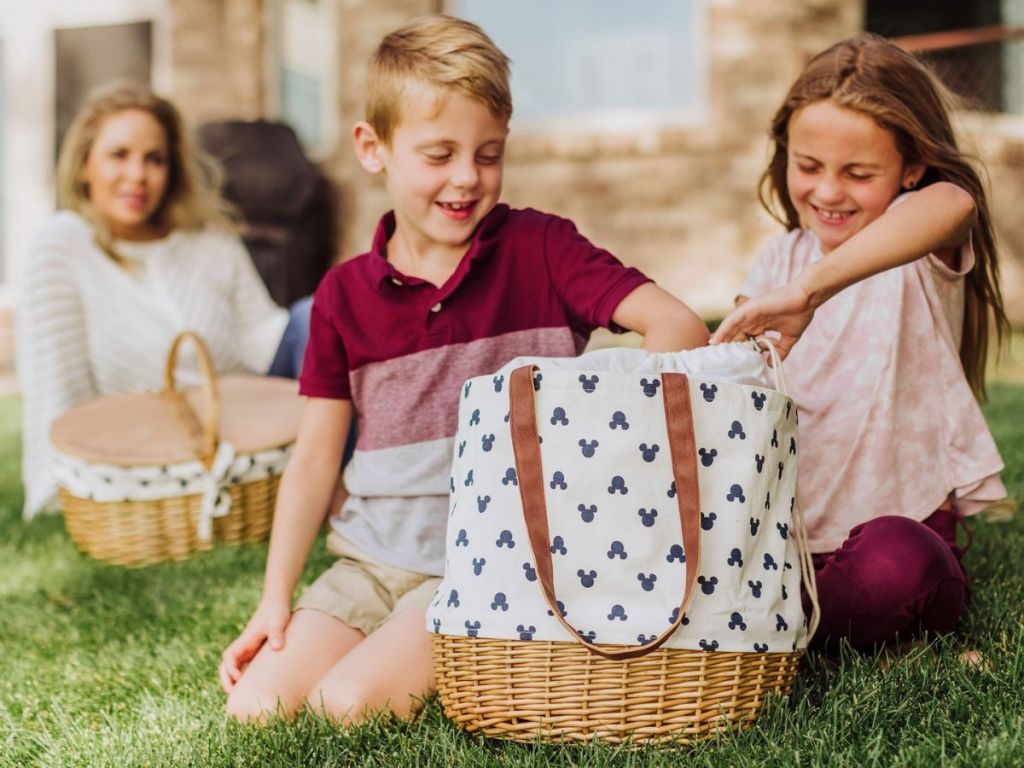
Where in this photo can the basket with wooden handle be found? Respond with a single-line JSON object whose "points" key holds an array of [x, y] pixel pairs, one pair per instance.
{"points": [[151, 476], [542, 626]]}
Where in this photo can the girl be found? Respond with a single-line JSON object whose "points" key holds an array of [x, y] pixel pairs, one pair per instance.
{"points": [[141, 250], [888, 278]]}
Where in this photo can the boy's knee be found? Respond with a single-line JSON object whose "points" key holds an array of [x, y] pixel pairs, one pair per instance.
{"points": [[243, 709], [345, 702], [254, 707]]}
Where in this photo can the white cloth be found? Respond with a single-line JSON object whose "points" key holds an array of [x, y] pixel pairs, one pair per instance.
{"points": [[886, 413], [109, 482], [731, 363], [87, 326], [618, 557]]}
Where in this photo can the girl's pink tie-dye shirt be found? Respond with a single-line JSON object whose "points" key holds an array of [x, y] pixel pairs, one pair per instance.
{"points": [[888, 423]]}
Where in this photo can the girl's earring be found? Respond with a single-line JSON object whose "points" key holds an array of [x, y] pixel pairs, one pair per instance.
{"points": [[910, 184]]}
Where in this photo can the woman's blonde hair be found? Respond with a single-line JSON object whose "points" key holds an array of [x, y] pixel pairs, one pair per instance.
{"points": [[877, 78], [192, 199], [441, 52]]}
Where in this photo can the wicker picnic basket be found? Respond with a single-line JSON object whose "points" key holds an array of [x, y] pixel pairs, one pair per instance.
{"points": [[151, 476], [535, 686]]}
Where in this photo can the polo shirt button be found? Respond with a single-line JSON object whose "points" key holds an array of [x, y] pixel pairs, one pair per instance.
{"points": [[436, 307], [396, 281]]}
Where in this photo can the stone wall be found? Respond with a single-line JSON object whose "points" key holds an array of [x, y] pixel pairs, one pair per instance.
{"points": [[361, 198], [999, 142], [678, 202], [218, 49]]}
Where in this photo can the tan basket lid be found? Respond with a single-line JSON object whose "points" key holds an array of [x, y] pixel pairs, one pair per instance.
{"points": [[153, 428]]}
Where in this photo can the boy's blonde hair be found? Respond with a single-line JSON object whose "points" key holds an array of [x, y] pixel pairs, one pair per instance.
{"points": [[877, 78], [443, 53], [191, 200]]}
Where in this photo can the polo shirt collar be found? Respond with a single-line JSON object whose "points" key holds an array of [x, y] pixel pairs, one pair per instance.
{"points": [[484, 242]]}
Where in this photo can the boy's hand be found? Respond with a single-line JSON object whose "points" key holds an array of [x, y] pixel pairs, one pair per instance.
{"points": [[786, 310], [267, 625]]}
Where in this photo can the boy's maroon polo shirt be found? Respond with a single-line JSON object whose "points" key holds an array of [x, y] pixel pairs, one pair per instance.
{"points": [[524, 270], [400, 348]]}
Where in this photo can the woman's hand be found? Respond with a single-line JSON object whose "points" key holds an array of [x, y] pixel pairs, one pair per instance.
{"points": [[267, 625], [786, 310]]}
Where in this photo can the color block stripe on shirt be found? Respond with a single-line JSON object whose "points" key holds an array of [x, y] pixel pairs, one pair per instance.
{"points": [[414, 398], [423, 467]]}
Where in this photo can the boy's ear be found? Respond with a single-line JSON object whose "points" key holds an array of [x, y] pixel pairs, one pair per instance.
{"points": [[369, 147]]}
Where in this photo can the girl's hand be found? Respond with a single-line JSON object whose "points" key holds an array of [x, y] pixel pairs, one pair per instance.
{"points": [[267, 625], [786, 310]]}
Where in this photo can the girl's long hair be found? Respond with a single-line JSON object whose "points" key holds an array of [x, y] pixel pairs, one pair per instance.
{"points": [[192, 199], [879, 79]]}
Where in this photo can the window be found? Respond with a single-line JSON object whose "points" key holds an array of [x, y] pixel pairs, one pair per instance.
{"points": [[980, 56], [575, 62], [305, 71]]}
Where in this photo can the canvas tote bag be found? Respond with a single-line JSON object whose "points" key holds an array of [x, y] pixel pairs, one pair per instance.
{"points": [[622, 509]]}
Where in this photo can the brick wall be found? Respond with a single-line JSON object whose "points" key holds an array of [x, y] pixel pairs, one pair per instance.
{"points": [[362, 198], [1000, 143], [218, 49], [679, 202]]}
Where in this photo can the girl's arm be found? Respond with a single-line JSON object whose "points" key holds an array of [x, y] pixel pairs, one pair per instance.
{"points": [[665, 322], [303, 498], [935, 220]]}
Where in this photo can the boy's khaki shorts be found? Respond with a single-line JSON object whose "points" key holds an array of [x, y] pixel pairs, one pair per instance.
{"points": [[362, 592]]}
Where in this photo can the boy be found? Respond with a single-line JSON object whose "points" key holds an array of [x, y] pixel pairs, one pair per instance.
{"points": [[455, 285]]}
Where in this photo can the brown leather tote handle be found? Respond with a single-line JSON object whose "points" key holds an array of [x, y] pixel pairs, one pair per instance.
{"points": [[526, 447]]}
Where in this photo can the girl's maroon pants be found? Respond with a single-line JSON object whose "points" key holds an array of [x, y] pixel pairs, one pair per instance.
{"points": [[893, 578]]}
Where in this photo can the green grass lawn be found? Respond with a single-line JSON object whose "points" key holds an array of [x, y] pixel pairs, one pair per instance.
{"points": [[102, 666]]}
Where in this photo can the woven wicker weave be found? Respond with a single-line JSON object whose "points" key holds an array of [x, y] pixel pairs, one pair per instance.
{"points": [[137, 533], [524, 690], [142, 532]]}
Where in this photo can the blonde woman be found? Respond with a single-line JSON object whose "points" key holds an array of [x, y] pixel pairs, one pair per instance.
{"points": [[141, 249]]}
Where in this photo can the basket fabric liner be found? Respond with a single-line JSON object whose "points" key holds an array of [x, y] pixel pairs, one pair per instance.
{"points": [[113, 483]]}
